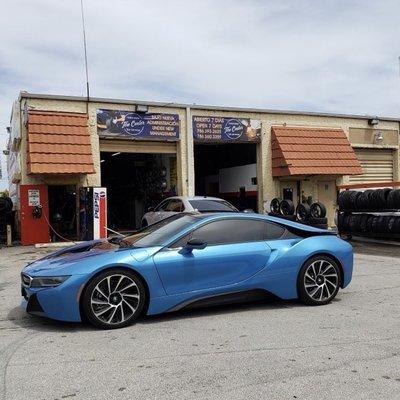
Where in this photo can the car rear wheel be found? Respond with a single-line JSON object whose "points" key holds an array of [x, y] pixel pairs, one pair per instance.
{"points": [[318, 281], [114, 299]]}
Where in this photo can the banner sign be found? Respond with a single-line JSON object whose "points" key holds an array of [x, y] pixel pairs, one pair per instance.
{"points": [[226, 129], [145, 126]]}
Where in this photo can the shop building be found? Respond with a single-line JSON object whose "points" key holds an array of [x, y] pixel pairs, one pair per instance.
{"points": [[142, 152]]}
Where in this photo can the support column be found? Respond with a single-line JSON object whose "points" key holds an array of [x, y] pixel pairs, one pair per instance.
{"points": [[190, 178]]}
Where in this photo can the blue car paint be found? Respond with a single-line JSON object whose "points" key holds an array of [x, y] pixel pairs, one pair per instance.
{"points": [[174, 279]]}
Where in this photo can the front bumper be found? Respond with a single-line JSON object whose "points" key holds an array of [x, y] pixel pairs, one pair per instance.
{"points": [[59, 302]]}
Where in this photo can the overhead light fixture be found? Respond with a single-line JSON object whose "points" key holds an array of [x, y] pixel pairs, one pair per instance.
{"points": [[379, 137], [373, 121], [115, 154], [102, 161], [142, 108]]}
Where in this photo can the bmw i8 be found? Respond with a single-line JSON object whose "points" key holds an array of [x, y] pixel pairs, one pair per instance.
{"points": [[186, 260]]}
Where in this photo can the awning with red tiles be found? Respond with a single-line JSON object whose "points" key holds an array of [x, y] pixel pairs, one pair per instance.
{"points": [[312, 151], [59, 143]]}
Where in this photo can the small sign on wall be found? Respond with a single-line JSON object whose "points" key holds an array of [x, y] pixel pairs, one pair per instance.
{"points": [[33, 197]]}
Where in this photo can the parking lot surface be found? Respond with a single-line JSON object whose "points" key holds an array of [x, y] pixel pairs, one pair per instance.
{"points": [[349, 349]]}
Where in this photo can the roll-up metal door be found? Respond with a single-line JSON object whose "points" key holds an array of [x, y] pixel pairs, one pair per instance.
{"points": [[377, 165], [130, 146]]}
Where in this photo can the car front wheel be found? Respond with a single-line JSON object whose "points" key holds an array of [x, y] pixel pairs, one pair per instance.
{"points": [[318, 281], [114, 299]]}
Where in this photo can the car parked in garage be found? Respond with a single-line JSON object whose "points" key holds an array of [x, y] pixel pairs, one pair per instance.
{"points": [[177, 204]]}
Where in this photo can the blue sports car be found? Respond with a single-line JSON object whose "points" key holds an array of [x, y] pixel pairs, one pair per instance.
{"points": [[186, 260]]}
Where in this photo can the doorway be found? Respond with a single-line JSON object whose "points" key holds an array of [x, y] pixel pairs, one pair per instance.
{"points": [[135, 182], [62, 212], [228, 171]]}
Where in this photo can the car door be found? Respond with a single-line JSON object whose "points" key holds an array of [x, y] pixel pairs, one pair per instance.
{"points": [[236, 250]]}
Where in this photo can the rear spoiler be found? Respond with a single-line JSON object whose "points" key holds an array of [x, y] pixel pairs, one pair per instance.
{"points": [[298, 231]]}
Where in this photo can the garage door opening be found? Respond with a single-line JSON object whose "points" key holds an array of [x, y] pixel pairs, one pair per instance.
{"points": [[135, 182], [228, 171]]}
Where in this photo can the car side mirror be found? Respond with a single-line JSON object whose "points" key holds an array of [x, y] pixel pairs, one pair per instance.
{"points": [[193, 244], [150, 209]]}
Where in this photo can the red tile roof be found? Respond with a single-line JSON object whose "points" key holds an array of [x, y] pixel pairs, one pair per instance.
{"points": [[59, 143], [312, 151]]}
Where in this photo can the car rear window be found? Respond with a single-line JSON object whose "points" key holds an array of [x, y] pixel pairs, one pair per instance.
{"points": [[207, 205]]}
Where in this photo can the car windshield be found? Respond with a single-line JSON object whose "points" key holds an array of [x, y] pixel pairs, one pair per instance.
{"points": [[157, 234], [209, 205]]}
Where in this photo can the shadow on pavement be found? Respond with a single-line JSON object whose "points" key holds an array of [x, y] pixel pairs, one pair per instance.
{"points": [[21, 319]]}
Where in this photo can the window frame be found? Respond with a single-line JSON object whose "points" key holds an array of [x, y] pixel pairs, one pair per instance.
{"points": [[158, 208], [175, 201], [188, 234]]}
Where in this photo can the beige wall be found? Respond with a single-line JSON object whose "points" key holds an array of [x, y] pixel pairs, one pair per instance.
{"points": [[357, 129]]}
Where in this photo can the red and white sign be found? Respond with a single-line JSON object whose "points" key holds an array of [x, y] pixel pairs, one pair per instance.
{"points": [[99, 213]]}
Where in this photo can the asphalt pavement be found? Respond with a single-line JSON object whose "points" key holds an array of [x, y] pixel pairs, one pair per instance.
{"points": [[349, 349]]}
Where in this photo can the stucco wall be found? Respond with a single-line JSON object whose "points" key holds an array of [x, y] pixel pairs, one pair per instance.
{"points": [[267, 186]]}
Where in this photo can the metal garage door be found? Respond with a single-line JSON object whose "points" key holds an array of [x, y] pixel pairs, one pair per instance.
{"points": [[377, 165]]}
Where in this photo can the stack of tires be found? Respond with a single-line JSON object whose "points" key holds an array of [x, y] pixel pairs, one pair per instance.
{"points": [[379, 199], [314, 214], [373, 213], [6, 216]]}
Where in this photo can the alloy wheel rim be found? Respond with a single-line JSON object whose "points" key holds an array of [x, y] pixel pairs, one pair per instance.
{"points": [[115, 299], [321, 280]]}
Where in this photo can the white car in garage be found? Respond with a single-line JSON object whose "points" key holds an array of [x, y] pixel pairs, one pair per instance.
{"points": [[174, 205]]}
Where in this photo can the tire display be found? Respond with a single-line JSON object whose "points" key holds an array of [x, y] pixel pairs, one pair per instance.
{"points": [[303, 212], [286, 207], [274, 206], [372, 212], [378, 199], [318, 210]]}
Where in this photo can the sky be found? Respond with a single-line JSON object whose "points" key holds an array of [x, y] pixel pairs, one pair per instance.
{"points": [[330, 56]]}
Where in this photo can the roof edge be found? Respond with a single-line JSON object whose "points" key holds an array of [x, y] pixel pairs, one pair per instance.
{"points": [[27, 95]]}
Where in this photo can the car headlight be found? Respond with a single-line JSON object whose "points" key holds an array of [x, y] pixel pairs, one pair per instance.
{"points": [[45, 281]]}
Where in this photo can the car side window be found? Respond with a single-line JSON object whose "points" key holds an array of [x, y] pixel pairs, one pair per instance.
{"points": [[162, 206], [175, 205], [233, 231], [273, 231]]}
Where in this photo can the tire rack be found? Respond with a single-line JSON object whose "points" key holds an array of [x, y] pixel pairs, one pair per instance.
{"points": [[376, 185]]}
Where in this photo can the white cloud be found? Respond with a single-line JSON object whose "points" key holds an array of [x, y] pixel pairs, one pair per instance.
{"points": [[336, 56]]}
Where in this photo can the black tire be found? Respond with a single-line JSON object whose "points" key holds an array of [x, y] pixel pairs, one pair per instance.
{"points": [[286, 207], [362, 222], [391, 224], [344, 200], [393, 199], [274, 206], [327, 266], [362, 201], [354, 195], [317, 210], [303, 212], [144, 223], [93, 300]]}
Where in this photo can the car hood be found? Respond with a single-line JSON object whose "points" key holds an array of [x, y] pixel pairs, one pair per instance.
{"points": [[85, 257]]}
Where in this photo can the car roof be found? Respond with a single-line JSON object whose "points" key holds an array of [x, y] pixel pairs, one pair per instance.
{"points": [[194, 198], [277, 220]]}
